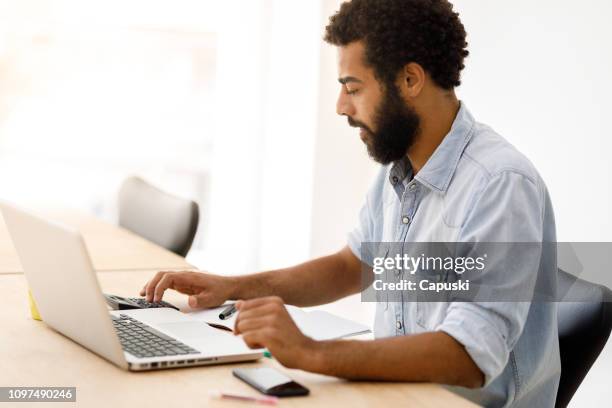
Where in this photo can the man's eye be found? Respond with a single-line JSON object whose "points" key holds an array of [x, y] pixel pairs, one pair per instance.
{"points": [[353, 92]]}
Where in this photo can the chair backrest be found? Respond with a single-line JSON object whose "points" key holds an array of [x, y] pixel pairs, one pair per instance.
{"points": [[584, 327], [162, 218]]}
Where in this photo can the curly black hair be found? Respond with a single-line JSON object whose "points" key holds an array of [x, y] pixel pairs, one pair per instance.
{"points": [[397, 32]]}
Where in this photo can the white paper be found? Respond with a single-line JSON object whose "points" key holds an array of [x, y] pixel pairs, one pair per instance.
{"points": [[321, 325], [318, 324]]}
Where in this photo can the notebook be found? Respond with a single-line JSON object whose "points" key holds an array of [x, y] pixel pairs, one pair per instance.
{"points": [[318, 324]]}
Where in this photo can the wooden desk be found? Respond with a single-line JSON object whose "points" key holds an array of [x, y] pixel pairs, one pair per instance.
{"points": [[35, 355], [32, 354], [110, 247]]}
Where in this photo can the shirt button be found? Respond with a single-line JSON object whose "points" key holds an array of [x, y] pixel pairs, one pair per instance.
{"points": [[406, 219], [412, 187], [395, 179], [398, 324]]}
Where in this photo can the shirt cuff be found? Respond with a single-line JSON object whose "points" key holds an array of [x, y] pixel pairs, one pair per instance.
{"points": [[481, 333]]}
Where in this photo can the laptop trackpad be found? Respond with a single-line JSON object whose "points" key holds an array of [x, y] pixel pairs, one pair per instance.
{"points": [[186, 329]]}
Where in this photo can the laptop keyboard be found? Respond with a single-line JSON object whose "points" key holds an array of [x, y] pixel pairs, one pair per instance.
{"points": [[142, 302], [142, 340]]}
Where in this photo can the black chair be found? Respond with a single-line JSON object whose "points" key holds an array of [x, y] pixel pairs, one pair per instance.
{"points": [[167, 220], [585, 321]]}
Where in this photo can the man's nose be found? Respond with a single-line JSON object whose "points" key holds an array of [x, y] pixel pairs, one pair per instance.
{"points": [[344, 105]]}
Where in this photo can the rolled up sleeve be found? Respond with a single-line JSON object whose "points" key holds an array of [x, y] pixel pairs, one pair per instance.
{"points": [[509, 209], [485, 331]]}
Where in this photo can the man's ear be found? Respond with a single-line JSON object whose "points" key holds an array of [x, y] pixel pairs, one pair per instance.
{"points": [[412, 80]]}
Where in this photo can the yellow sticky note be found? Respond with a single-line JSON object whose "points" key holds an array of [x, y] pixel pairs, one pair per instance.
{"points": [[33, 308]]}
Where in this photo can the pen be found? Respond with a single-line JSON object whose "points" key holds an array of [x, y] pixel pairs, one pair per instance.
{"points": [[227, 312], [246, 398]]}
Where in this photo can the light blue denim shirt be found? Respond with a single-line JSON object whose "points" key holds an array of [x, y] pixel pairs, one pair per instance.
{"points": [[476, 187]]}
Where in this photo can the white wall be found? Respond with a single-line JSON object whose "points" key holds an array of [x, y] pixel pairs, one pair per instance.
{"points": [[342, 172], [289, 134], [539, 73], [263, 152], [342, 168]]}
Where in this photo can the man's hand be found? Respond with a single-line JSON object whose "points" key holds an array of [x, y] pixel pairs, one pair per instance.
{"points": [[205, 290], [265, 322]]}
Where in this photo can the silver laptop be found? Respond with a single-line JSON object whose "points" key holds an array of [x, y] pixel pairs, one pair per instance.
{"points": [[66, 289]]}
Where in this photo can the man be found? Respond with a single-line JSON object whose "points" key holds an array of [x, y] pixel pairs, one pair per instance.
{"points": [[446, 178]]}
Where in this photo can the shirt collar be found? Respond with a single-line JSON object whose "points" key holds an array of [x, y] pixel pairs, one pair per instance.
{"points": [[441, 166]]}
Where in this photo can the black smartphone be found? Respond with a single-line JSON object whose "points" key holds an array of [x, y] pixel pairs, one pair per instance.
{"points": [[270, 382]]}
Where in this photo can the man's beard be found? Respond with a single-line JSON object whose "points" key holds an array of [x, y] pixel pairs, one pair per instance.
{"points": [[397, 126]]}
